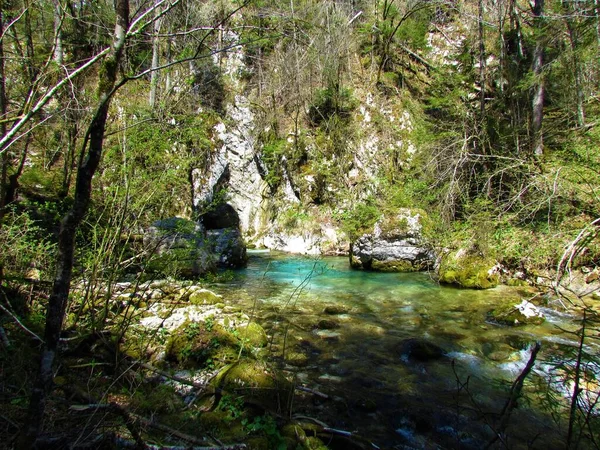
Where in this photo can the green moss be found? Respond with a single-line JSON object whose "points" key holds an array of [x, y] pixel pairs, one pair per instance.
{"points": [[468, 271], [204, 297], [314, 443], [161, 399], [253, 335], [258, 383], [220, 423], [198, 344], [394, 266]]}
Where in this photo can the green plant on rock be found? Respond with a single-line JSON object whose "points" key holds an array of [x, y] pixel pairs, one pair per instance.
{"points": [[333, 101], [360, 219], [233, 405], [266, 426]]}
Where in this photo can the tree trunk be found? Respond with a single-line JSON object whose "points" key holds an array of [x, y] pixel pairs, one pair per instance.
{"points": [[537, 105], [155, 61], [577, 75], [59, 54], [481, 63], [66, 240], [3, 107]]}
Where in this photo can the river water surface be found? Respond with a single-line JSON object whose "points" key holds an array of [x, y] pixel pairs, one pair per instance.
{"points": [[404, 362]]}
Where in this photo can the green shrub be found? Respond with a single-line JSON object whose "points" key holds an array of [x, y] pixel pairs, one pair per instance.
{"points": [[330, 102], [360, 219], [24, 246]]}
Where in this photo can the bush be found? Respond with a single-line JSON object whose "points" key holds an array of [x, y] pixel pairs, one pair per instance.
{"points": [[360, 219], [25, 247]]}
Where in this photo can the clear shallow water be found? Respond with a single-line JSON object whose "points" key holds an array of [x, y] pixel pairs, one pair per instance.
{"points": [[391, 351]]}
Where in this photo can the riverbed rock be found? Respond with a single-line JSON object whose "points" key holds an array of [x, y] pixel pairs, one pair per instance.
{"points": [[468, 268], [420, 350], [335, 309], [396, 244], [514, 314]]}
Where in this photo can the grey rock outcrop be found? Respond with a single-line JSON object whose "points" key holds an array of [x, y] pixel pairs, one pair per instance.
{"points": [[228, 246], [184, 248], [395, 245], [178, 247]]}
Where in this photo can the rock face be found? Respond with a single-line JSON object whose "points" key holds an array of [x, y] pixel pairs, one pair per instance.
{"points": [[234, 168], [395, 245]]}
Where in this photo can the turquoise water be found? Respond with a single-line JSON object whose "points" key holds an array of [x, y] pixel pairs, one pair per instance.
{"points": [[404, 361]]}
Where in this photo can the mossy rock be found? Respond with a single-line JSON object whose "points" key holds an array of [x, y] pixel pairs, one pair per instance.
{"points": [[314, 443], [182, 262], [222, 424], [396, 266], [468, 270], [326, 324], [204, 297], [515, 314], [258, 383], [252, 334], [335, 309], [193, 344]]}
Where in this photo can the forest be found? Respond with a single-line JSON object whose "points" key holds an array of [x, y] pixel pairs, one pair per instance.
{"points": [[149, 150]]}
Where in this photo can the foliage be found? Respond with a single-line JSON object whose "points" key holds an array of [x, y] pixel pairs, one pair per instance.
{"points": [[360, 219], [25, 247], [331, 102]]}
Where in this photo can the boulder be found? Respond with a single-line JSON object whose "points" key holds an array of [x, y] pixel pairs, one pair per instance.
{"points": [[180, 248], [228, 246], [396, 244], [184, 248], [258, 384], [468, 269], [514, 314]]}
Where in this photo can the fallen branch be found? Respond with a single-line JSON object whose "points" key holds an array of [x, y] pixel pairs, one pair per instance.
{"points": [[312, 391], [121, 442]]}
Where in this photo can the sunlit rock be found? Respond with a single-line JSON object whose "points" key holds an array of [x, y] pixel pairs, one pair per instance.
{"points": [[396, 244]]}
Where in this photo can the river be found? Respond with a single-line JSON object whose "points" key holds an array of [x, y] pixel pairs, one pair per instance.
{"points": [[404, 362]]}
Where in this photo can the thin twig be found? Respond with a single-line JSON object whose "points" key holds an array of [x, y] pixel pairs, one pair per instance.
{"points": [[16, 319]]}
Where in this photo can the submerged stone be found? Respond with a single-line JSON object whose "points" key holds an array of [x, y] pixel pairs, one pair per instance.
{"points": [[327, 324], [335, 309], [420, 350]]}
